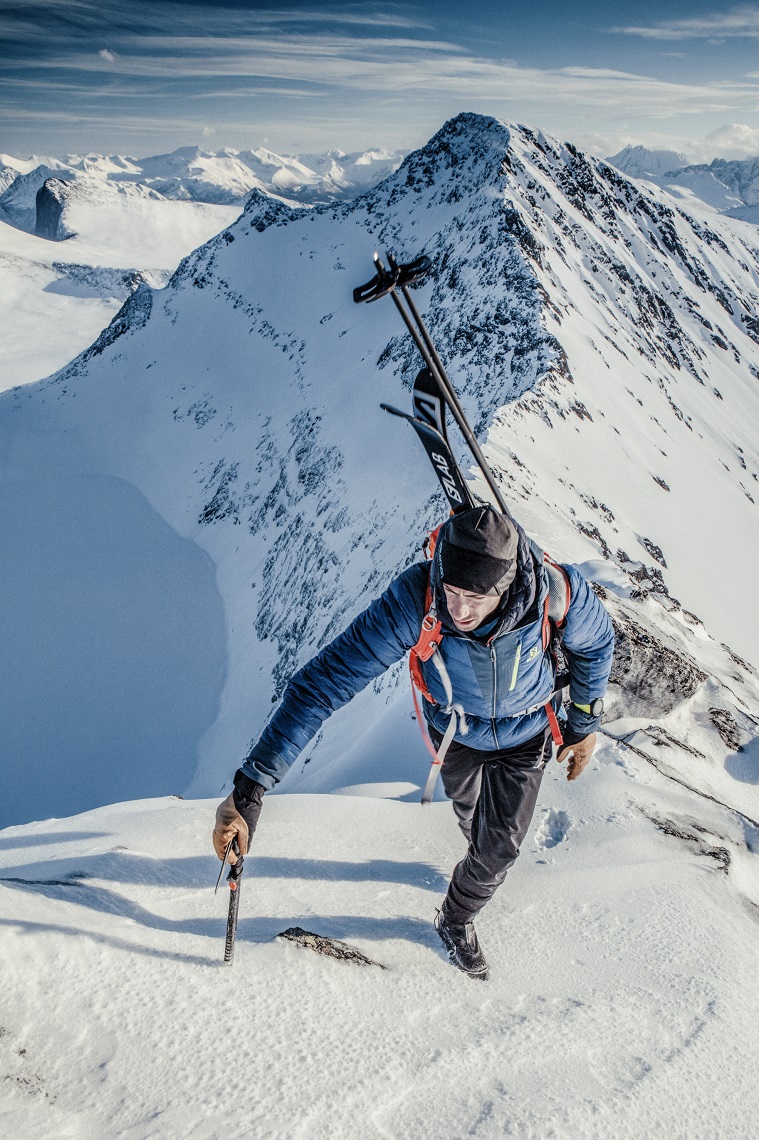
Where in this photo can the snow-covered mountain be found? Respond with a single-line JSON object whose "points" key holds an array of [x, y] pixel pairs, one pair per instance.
{"points": [[730, 186], [55, 298], [188, 174], [603, 341], [641, 162], [137, 216], [208, 493]]}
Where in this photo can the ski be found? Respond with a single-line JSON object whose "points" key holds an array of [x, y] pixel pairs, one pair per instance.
{"points": [[451, 480], [389, 282], [429, 403]]}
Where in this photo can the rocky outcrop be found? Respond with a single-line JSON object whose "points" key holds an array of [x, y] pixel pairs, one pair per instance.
{"points": [[51, 199], [650, 676]]}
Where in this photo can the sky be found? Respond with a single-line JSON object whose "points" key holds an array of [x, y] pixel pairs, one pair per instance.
{"points": [[306, 76]]}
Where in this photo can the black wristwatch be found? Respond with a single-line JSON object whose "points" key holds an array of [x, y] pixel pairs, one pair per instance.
{"points": [[595, 708]]}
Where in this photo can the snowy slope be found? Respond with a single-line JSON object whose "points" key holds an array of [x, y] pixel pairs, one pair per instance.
{"points": [[47, 315], [622, 999], [228, 430], [55, 298]]}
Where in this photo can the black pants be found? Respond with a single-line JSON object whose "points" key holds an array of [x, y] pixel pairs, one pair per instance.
{"points": [[494, 796]]}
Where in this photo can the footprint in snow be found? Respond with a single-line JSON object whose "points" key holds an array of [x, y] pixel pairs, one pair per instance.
{"points": [[553, 828]]}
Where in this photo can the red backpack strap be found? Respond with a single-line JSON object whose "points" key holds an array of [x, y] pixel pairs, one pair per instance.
{"points": [[429, 639], [430, 635], [553, 721], [555, 609], [430, 541]]}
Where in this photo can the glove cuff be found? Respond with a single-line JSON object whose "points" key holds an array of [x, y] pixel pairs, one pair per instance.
{"points": [[246, 792]]}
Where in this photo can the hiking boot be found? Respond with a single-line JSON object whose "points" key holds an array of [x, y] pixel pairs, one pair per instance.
{"points": [[463, 946]]}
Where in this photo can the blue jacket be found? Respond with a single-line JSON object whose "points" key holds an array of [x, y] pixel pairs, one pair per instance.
{"points": [[496, 679]]}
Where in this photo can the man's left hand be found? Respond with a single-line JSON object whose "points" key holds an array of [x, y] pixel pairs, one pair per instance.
{"points": [[579, 755]]}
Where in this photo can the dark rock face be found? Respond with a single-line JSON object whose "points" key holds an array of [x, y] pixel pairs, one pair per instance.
{"points": [[51, 198], [726, 725], [650, 670], [649, 674]]}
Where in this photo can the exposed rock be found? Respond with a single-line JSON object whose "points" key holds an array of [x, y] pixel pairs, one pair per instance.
{"points": [[654, 550], [651, 677], [51, 199], [332, 947], [726, 726], [691, 832]]}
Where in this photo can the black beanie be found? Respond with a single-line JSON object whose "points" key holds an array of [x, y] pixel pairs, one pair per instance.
{"points": [[478, 551]]}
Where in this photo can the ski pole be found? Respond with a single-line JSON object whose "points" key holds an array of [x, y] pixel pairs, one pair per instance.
{"points": [[402, 281], [234, 878]]}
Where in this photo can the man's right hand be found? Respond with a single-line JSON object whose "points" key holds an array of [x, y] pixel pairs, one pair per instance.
{"points": [[237, 818], [230, 825]]}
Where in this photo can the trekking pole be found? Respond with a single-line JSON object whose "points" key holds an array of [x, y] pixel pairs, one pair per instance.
{"points": [[401, 276], [234, 878]]}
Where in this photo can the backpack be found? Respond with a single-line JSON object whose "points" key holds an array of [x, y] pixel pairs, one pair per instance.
{"points": [[555, 609]]}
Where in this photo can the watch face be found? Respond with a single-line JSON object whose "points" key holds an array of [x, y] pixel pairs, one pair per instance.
{"points": [[597, 707]]}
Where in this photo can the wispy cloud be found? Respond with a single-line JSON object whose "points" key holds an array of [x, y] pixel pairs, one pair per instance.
{"points": [[738, 22], [61, 24], [380, 65], [307, 69]]}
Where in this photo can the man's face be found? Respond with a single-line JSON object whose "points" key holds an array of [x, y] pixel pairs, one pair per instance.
{"points": [[469, 610]]}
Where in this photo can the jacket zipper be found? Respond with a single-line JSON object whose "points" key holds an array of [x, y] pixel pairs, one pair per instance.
{"points": [[495, 692], [515, 670]]}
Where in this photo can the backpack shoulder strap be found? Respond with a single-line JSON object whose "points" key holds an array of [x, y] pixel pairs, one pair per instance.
{"points": [[559, 591], [430, 637]]}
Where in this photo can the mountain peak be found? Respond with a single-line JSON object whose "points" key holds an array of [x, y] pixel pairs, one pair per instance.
{"points": [[640, 162]]}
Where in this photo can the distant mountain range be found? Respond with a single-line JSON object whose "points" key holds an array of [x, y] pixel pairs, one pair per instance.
{"points": [[189, 174], [730, 186]]}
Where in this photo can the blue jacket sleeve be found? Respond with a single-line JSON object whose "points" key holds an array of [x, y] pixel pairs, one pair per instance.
{"points": [[375, 640], [588, 644]]}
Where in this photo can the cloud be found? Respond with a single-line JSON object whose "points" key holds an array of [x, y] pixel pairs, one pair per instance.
{"points": [[61, 25], [740, 22], [315, 70], [369, 67], [733, 140]]}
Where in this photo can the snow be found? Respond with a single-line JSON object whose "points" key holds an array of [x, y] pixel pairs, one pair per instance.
{"points": [[621, 999], [54, 297], [207, 495], [641, 162], [118, 621]]}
